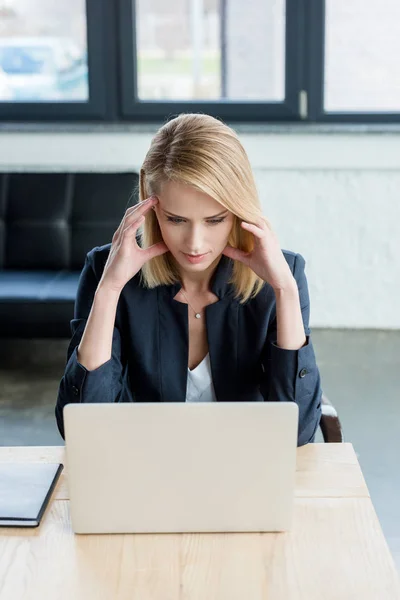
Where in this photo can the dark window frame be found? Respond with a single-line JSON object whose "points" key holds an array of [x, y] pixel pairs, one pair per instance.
{"points": [[136, 110], [112, 77], [315, 36], [97, 106]]}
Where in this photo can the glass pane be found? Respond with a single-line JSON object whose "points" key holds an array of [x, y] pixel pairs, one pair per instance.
{"points": [[211, 49], [362, 50], [43, 51]]}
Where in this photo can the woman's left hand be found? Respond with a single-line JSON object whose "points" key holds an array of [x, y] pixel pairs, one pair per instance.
{"points": [[267, 259]]}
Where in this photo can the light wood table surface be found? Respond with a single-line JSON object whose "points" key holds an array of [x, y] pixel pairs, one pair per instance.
{"points": [[335, 551]]}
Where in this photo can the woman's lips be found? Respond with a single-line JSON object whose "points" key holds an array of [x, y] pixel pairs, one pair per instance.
{"points": [[194, 259]]}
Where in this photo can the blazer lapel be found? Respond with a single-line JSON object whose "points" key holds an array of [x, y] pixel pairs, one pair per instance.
{"points": [[174, 348]]}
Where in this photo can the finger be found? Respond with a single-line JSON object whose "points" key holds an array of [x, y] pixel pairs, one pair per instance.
{"points": [[131, 229], [155, 250], [237, 254], [265, 224], [141, 210], [135, 213], [254, 229], [138, 205]]}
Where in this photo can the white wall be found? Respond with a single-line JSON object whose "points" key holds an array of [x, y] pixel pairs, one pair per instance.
{"points": [[335, 198]]}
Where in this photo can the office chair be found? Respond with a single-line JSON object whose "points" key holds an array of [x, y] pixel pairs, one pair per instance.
{"points": [[330, 424]]}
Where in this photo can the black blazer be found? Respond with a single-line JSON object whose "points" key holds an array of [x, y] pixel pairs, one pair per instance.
{"points": [[150, 347]]}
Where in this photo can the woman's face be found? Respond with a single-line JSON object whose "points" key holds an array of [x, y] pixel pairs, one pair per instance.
{"points": [[192, 223]]}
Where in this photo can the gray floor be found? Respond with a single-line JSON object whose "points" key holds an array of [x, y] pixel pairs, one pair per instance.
{"points": [[360, 373]]}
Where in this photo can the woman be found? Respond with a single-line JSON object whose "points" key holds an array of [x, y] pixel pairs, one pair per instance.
{"points": [[202, 304]]}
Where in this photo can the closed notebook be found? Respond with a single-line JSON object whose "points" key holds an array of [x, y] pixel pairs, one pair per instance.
{"points": [[25, 492]]}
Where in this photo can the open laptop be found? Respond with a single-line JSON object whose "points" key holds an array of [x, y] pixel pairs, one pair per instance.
{"points": [[181, 467]]}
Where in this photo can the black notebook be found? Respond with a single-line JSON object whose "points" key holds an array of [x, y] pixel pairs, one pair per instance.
{"points": [[25, 492]]}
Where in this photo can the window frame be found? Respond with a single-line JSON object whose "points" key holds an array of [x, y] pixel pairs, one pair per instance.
{"points": [[288, 110], [112, 78], [315, 20], [96, 107]]}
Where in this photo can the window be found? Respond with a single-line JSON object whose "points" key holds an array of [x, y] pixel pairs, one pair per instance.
{"points": [[49, 58], [43, 51], [197, 50], [362, 50], [240, 60], [223, 57]]}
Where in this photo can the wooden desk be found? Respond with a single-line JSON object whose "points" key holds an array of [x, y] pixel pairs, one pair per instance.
{"points": [[335, 551]]}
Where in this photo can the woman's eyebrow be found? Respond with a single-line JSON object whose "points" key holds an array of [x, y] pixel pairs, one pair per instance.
{"points": [[179, 217]]}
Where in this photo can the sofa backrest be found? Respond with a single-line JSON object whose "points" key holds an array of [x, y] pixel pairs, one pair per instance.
{"points": [[51, 220]]}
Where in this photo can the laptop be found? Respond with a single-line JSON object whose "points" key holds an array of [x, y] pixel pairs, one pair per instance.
{"points": [[181, 467]]}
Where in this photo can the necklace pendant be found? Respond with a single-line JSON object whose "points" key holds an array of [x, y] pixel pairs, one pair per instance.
{"points": [[198, 315]]}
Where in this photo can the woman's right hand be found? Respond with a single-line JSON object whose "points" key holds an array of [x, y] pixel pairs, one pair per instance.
{"points": [[126, 258]]}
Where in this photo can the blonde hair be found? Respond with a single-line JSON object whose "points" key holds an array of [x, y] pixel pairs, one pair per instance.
{"points": [[201, 151]]}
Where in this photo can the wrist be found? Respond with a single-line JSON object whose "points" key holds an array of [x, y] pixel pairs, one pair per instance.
{"points": [[287, 288], [107, 292]]}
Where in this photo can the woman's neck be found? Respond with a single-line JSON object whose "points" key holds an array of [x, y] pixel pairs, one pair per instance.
{"points": [[198, 283]]}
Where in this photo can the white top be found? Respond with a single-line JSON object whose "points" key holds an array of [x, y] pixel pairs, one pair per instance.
{"points": [[200, 387]]}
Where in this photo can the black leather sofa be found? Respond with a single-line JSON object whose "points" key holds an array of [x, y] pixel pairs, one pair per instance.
{"points": [[48, 222]]}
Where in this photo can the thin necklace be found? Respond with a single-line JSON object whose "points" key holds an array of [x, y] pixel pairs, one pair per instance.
{"points": [[196, 314]]}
